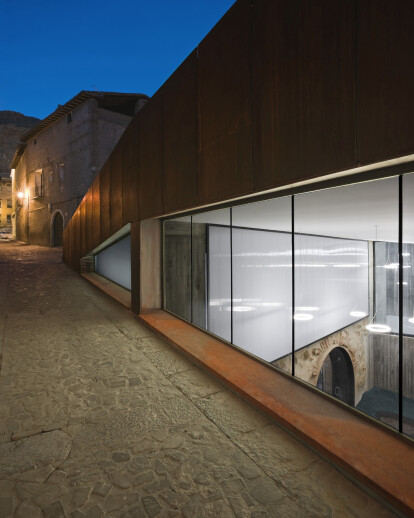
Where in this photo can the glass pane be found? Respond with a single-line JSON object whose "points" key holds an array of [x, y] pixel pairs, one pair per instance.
{"points": [[177, 266], [408, 297], [211, 272], [114, 262], [345, 294], [262, 280]]}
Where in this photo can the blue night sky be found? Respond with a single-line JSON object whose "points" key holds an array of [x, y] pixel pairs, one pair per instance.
{"points": [[52, 49]]}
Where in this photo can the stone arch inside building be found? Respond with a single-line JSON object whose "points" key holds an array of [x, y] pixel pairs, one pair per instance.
{"points": [[57, 228], [336, 376]]}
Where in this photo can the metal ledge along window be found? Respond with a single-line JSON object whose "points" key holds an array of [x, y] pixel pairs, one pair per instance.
{"points": [[319, 285]]}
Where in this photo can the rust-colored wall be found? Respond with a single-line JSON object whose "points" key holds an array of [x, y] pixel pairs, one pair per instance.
{"points": [[96, 213], [135, 270], [71, 230], [82, 250], [66, 245], [385, 76], [303, 90], [179, 185], [224, 99], [89, 220], [105, 205], [77, 240], [278, 92], [130, 186], [150, 158], [115, 168]]}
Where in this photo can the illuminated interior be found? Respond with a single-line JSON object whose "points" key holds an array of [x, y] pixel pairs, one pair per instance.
{"points": [[310, 284]]}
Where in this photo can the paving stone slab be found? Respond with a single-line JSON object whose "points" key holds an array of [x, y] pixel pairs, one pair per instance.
{"points": [[111, 421], [35, 451]]}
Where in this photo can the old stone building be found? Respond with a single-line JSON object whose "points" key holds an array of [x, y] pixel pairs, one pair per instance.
{"points": [[13, 126], [5, 205], [59, 158]]}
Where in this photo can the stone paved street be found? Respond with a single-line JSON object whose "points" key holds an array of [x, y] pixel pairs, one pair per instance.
{"points": [[99, 417]]}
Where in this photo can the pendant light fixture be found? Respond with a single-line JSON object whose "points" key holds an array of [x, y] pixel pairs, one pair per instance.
{"points": [[379, 328]]}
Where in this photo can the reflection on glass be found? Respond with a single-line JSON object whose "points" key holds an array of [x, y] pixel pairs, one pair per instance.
{"points": [[177, 266], [345, 244], [211, 272], [262, 280], [408, 305]]}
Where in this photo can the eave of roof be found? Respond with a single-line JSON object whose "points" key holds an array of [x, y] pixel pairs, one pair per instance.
{"points": [[18, 155], [62, 110]]}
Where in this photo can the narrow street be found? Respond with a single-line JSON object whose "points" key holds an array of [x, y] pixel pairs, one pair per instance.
{"points": [[99, 417]]}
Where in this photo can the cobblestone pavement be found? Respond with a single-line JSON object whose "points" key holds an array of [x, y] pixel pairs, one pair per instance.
{"points": [[99, 417]]}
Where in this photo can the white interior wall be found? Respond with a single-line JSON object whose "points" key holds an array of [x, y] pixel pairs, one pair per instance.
{"points": [[262, 292], [219, 282], [331, 282], [331, 286]]}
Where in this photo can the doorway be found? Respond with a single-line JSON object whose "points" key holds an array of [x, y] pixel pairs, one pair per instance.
{"points": [[57, 229], [337, 376]]}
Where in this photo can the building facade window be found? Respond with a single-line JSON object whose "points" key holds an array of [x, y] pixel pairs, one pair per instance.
{"points": [[114, 262], [9, 204], [318, 284], [36, 182], [8, 218]]}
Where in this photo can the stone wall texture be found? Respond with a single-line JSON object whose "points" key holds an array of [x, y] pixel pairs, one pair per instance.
{"points": [[68, 155]]}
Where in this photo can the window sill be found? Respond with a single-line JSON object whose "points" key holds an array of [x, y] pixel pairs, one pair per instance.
{"points": [[370, 454], [120, 294]]}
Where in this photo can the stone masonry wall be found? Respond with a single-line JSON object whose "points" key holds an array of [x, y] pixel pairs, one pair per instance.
{"points": [[309, 360], [69, 155]]}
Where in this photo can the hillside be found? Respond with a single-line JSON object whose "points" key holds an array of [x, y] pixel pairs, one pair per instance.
{"points": [[12, 126]]}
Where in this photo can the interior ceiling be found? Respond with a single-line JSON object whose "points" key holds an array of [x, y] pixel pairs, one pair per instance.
{"points": [[367, 211]]}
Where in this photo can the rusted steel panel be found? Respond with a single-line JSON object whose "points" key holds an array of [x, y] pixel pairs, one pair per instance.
{"points": [[125, 143], [135, 267], [77, 241], [66, 245], [180, 137], [150, 159], [130, 202], [302, 89], [385, 79], [130, 180], [105, 208], [115, 168], [96, 213], [133, 138], [82, 228], [73, 243], [88, 221], [224, 96]]}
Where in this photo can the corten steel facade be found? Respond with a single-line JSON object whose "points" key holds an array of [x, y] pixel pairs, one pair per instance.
{"points": [[280, 93]]}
